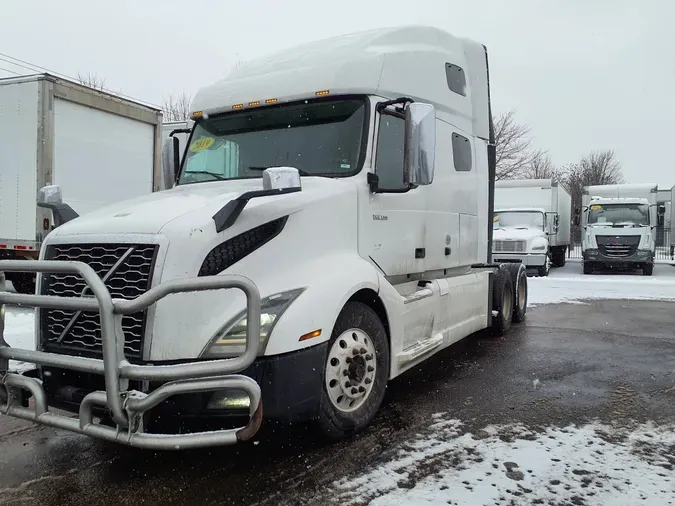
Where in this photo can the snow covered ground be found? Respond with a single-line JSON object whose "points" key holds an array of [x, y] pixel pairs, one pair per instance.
{"points": [[511, 465], [569, 284]]}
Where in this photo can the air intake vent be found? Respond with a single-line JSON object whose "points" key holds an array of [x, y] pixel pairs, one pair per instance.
{"points": [[231, 251]]}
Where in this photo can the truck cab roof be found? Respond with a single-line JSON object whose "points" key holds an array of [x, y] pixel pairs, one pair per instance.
{"points": [[420, 62]]}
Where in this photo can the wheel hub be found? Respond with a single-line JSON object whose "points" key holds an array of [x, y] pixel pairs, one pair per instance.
{"points": [[350, 371]]}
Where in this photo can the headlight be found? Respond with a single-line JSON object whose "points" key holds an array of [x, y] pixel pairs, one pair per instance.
{"points": [[230, 340], [540, 247]]}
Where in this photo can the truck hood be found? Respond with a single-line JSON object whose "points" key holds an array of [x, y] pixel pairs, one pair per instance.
{"points": [[517, 234], [149, 214]]}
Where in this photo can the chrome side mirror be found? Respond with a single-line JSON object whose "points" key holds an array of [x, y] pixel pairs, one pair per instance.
{"points": [[51, 194], [170, 162], [420, 144]]}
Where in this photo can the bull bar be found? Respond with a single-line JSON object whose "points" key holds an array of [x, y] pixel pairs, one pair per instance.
{"points": [[127, 406]]}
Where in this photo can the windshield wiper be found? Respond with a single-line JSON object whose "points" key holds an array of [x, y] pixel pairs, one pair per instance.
{"points": [[212, 174], [301, 172]]}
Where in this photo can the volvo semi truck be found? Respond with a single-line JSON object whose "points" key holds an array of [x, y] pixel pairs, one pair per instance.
{"points": [[328, 228]]}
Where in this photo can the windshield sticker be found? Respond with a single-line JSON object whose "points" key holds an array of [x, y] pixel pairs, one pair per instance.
{"points": [[345, 166], [202, 144], [596, 208]]}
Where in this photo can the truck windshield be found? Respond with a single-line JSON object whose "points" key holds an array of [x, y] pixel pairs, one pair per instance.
{"points": [[518, 219], [319, 138], [618, 214]]}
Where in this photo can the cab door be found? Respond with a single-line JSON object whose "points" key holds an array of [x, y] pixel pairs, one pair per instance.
{"points": [[394, 231]]}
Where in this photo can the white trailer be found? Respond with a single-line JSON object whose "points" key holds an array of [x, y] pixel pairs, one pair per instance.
{"points": [[314, 184], [619, 223], [98, 148], [178, 129], [532, 222]]}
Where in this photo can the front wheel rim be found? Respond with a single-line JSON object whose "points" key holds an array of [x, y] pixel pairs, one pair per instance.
{"points": [[350, 370]]}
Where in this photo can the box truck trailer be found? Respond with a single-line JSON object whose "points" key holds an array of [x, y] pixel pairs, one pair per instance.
{"points": [[178, 129], [314, 185], [531, 223], [618, 227], [96, 147]]}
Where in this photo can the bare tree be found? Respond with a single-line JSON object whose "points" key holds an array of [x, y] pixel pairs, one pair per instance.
{"points": [[92, 80], [597, 168], [541, 167], [177, 107], [513, 147]]}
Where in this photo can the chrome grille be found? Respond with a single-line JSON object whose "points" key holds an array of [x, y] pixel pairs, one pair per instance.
{"points": [[508, 246], [617, 246], [126, 270]]}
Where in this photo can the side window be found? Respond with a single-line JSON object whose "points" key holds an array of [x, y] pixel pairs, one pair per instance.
{"points": [[461, 153], [456, 78], [389, 154]]}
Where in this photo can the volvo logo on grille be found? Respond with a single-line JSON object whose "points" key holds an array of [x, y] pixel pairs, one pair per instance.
{"points": [[86, 289], [617, 240]]}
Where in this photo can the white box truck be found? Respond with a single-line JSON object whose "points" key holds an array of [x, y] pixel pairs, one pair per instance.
{"points": [[98, 148], [531, 223], [181, 131], [312, 183], [618, 227]]}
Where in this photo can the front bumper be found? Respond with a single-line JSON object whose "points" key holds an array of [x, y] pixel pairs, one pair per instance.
{"points": [[290, 385], [527, 259], [129, 406], [639, 257]]}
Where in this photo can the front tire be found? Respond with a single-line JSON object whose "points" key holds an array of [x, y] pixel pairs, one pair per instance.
{"points": [[544, 269], [648, 269], [355, 373], [588, 268]]}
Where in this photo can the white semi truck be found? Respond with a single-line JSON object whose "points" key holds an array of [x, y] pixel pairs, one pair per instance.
{"points": [[531, 223], [345, 187], [618, 224], [98, 148]]}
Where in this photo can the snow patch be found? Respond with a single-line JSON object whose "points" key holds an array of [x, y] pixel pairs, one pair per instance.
{"points": [[20, 333], [562, 285], [594, 464]]}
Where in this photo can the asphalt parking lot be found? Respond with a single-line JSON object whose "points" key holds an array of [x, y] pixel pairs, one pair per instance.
{"points": [[572, 362]]}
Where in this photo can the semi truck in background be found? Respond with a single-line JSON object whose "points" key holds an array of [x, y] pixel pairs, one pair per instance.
{"points": [[314, 185], [532, 221], [618, 227], [96, 147]]}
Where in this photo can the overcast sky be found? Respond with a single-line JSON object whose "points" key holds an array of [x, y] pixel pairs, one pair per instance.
{"points": [[584, 74]]}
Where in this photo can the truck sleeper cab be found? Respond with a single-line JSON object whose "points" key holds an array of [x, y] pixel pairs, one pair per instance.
{"points": [[352, 209]]}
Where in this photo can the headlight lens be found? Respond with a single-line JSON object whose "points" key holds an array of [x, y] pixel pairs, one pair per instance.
{"points": [[230, 340], [539, 247]]}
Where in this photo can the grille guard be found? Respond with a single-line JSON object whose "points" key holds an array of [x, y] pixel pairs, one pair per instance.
{"points": [[127, 406]]}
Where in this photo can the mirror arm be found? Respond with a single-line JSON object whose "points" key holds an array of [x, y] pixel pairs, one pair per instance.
{"points": [[381, 107]]}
